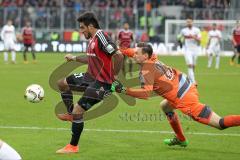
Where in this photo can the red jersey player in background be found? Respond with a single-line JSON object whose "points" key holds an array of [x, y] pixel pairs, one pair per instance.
{"points": [[236, 43], [125, 38], [28, 41]]}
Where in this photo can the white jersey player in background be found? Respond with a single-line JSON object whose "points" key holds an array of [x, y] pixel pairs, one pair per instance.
{"points": [[214, 46], [8, 37], [7, 152], [191, 47]]}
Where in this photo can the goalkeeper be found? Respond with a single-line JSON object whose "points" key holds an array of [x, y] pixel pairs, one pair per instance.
{"points": [[176, 89]]}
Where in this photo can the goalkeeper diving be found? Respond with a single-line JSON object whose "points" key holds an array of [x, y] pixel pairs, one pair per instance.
{"points": [[176, 89]]}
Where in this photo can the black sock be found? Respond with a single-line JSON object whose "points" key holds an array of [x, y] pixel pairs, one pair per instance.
{"points": [[233, 57], [25, 55], [170, 115], [33, 55], [77, 129], [67, 98]]}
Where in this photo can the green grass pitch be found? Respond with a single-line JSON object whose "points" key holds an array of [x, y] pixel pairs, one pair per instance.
{"points": [[35, 132]]}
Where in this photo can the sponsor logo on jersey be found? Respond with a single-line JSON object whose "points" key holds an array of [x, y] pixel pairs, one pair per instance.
{"points": [[110, 48], [91, 54]]}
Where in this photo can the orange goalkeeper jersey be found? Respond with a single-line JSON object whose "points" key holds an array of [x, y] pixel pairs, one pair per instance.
{"points": [[164, 80]]}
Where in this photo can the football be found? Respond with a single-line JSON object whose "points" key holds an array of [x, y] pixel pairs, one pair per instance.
{"points": [[34, 93]]}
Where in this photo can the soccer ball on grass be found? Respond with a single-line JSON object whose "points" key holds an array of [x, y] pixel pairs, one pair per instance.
{"points": [[34, 93]]}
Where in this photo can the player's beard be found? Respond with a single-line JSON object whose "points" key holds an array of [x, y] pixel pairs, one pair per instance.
{"points": [[88, 36], [189, 26]]}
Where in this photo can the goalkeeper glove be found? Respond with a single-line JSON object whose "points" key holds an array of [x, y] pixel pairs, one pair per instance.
{"points": [[118, 87]]}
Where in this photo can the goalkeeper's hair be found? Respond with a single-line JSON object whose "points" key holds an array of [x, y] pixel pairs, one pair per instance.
{"points": [[146, 48], [89, 18], [141, 44]]}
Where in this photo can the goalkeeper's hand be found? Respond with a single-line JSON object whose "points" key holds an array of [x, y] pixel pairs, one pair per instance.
{"points": [[118, 87]]}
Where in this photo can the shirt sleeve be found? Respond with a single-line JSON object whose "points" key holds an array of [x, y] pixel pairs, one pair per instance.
{"points": [[147, 81], [233, 31], [106, 44], [2, 33], [14, 35], [199, 34], [220, 34], [119, 35], [181, 33], [129, 52], [132, 37], [22, 31]]}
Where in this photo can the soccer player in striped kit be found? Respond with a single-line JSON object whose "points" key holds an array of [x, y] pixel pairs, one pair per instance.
{"points": [[28, 41], [8, 36], [95, 82], [125, 38], [236, 43], [192, 37], [214, 46]]}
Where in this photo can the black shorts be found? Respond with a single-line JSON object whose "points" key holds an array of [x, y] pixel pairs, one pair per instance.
{"points": [[238, 48], [27, 45], [94, 90]]}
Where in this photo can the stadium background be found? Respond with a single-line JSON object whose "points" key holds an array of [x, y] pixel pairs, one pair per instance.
{"points": [[128, 132], [55, 20]]}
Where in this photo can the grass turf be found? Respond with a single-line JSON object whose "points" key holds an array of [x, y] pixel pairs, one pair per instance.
{"points": [[218, 88]]}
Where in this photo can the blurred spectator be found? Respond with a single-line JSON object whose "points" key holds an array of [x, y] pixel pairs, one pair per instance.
{"points": [[78, 6], [54, 36], [75, 36], [111, 13], [119, 3]]}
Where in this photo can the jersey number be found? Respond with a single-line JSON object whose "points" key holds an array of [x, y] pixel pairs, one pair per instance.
{"points": [[165, 70]]}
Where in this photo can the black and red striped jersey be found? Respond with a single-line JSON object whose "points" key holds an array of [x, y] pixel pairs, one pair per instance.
{"points": [[100, 51]]}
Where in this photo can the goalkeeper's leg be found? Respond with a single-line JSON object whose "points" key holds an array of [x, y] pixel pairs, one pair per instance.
{"points": [[224, 122], [175, 124], [203, 114]]}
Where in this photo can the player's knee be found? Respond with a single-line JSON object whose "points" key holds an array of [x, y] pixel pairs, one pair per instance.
{"points": [[77, 117], [166, 107], [216, 121], [190, 66], [62, 86], [78, 113], [221, 124]]}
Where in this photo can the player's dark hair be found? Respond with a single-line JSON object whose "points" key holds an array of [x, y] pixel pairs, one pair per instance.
{"points": [[148, 49], [141, 44], [89, 18]]}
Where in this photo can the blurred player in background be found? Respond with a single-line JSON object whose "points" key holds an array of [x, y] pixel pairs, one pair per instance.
{"points": [[95, 82], [28, 41], [204, 40], [126, 40], [9, 39], [214, 47], [7, 152], [236, 43], [192, 37], [178, 93]]}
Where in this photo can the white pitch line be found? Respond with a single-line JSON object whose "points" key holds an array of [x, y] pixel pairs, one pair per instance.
{"points": [[121, 131], [218, 74]]}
